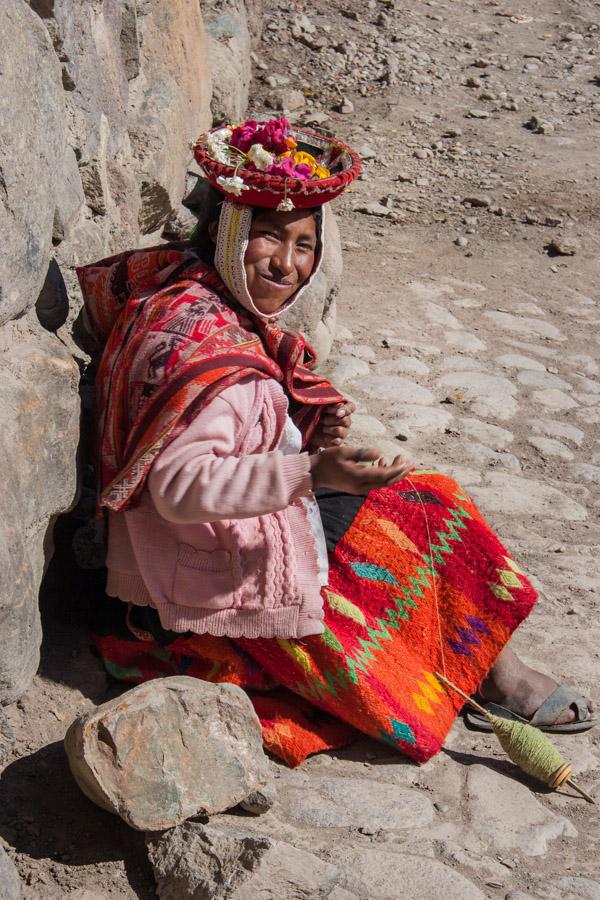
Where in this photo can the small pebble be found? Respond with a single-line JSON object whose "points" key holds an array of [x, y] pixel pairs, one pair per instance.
{"points": [[482, 201], [563, 247]]}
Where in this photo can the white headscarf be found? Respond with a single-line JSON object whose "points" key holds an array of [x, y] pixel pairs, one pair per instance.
{"points": [[235, 222]]}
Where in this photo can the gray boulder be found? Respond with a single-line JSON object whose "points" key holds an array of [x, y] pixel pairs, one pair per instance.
{"points": [[167, 750], [168, 103], [226, 862], [39, 425], [226, 23], [32, 146], [10, 883]]}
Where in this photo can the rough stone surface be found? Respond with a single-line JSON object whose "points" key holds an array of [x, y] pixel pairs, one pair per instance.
{"points": [[10, 883], [99, 102], [395, 388], [486, 395], [525, 325], [492, 435], [422, 419], [227, 27], [168, 750], [226, 862], [381, 874], [7, 738], [554, 399], [551, 447], [343, 802], [526, 497], [569, 887], [38, 441], [30, 98], [515, 820]]}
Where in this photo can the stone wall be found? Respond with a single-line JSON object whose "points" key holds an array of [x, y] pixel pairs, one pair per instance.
{"points": [[99, 103]]}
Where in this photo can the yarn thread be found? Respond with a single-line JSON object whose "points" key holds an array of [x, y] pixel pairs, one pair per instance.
{"points": [[527, 747]]}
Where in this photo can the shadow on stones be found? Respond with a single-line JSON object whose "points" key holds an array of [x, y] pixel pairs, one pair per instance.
{"points": [[68, 597], [502, 766], [367, 750], [52, 305], [44, 814]]}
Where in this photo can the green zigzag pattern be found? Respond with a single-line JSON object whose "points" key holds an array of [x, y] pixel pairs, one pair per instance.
{"points": [[452, 524], [339, 679]]}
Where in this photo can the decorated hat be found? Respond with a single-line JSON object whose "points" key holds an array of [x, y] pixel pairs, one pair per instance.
{"points": [[270, 164]]}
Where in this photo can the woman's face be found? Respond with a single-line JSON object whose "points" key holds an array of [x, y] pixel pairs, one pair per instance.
{"points": [[280, 256]]}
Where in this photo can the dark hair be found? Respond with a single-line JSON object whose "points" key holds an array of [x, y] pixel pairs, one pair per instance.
{"points": [[208, 213]]}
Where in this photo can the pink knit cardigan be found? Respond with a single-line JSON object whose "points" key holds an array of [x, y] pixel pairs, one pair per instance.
{"points": [[221, 542]]}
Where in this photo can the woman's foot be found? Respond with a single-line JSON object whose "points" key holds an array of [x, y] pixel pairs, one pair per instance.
{"points": [[512, 684]]}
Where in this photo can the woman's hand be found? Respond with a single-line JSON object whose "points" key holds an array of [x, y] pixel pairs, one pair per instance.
{"points": [[334, 425], [344, 469]]}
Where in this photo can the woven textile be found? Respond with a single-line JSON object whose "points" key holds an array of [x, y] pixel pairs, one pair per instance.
{"points": [[169, 351], [418, 583]]}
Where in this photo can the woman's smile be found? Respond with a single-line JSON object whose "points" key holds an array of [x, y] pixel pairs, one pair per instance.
{"points": [[280, 256], [276, 282]]}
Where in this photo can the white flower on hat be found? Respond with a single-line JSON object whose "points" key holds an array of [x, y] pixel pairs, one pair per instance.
{"points": [[217, 148], [223, 134], [261, 158], [285, 205], [233, 185]]}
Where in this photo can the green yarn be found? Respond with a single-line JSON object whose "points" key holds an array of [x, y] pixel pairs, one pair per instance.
{"points": [[528, 747]]}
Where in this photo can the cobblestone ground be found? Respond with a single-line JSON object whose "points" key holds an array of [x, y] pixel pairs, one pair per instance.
{"points": [[468, 335]]}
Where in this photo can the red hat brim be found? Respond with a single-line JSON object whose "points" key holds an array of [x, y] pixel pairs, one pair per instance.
{"points": [[269, 190]]}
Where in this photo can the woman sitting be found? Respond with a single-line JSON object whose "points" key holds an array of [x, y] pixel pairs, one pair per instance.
{"points": [[246, 542]]}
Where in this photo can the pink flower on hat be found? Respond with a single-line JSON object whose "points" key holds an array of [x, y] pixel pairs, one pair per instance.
{"points": [[273, 134], [285, 168], [244, 136], [303, 171]]}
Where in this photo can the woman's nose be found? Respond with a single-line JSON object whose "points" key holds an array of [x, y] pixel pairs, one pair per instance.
{"points": [[283, 258]]}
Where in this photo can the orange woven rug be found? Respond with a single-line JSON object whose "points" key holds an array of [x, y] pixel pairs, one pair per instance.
{"points": [[418, 584]]}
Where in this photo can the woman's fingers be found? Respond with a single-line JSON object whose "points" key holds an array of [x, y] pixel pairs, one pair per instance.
{"points": [[342, 409], [329, 421], [335, 431], [360, 454]]}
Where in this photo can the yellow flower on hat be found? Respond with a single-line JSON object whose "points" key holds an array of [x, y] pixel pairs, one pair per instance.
{"points": [[305, 159], [321, 172], [290, 142]]}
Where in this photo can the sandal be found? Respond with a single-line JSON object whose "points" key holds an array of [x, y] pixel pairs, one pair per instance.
{"points": [[545, 716]]}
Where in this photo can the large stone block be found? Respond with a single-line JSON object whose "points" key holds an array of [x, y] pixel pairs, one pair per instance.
{"points": [[10, 883], [167, 750], [39, 423], [226, 862], [227, 27], [32, 150], [168, 103]]}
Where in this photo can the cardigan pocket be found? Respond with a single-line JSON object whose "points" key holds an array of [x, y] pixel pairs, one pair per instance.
{"points": [[203, 578]]}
